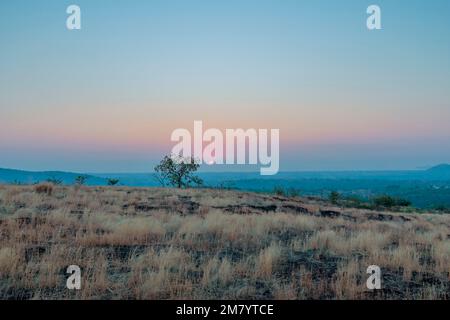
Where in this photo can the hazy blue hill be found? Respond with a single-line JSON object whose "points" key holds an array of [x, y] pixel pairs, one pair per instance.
{"points": [[30, 177], [442, 168]]}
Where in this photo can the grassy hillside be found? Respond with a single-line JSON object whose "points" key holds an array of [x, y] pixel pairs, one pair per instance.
{"points": [[425, 189], [137, 243]]}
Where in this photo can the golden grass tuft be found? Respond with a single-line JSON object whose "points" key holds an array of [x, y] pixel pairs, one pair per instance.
{"points": [[267, 261], [44, 188]]}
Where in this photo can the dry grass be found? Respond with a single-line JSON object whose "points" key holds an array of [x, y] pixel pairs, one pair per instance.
{"points": [[267, 261], [45, 188], [208, 244]]}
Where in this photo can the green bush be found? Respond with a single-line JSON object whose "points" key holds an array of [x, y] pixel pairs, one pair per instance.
{"points": [[442, 208], [389, 202], [80, 180], [334, 197], [113, 182], [54, 181], [403, 202], [279, 191]]}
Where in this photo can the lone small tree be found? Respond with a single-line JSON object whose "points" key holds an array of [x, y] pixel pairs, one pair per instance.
{"points": [[178, 172]]}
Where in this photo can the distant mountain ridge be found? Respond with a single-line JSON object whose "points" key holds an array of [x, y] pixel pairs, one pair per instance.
{"points": [[30, 177], [439, 172], [444, 167], [424, 188]]}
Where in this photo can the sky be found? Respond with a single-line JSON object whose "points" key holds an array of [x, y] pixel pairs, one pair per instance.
{"points": [[106, 98]]}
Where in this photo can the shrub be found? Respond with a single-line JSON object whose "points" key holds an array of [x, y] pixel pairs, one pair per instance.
{"points": [[44, 188], [80, 180], [54, 181], [389, 202], [403, 202], [334, 197], [384, 201], [113, 182], [279, 191], [442, 208]]}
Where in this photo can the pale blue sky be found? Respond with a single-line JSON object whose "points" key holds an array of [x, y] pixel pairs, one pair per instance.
{"points": [[106, 98]]}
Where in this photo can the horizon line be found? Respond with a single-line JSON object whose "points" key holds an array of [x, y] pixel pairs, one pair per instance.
{"points": [[225, 171]]}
